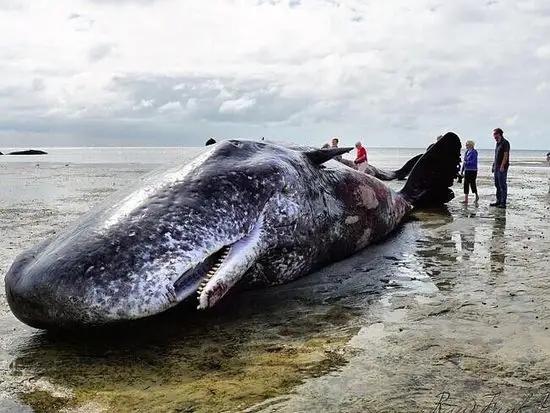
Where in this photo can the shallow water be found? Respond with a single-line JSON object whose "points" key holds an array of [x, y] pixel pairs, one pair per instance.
{"points": [[454, 306]]}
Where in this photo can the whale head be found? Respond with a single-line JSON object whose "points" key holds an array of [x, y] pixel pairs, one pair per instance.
{"points": [[189, 233]]}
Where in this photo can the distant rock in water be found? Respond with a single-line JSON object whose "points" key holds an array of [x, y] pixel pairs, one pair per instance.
{"points": [[210, 141], [29, 152]]}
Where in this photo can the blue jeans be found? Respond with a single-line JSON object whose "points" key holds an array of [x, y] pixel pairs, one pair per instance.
{"points": [[502, 186]]}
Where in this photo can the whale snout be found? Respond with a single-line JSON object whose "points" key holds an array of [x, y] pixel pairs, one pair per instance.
{"points": [[24, 303], [49, 296], [30, 299], [36, 299]]}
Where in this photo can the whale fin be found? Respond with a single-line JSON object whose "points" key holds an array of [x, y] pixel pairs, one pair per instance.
{"points": [[319, 156], [407, 168], [432, 176]]}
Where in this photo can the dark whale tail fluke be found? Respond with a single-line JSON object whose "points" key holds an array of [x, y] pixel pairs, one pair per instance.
{"points": [[407, 168], [433, 174]]}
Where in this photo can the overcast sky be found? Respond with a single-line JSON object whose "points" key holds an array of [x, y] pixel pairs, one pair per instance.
{"points": [[170, 72]]}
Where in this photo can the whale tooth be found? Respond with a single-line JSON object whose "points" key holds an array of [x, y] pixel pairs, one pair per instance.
{"points": [[212, 271]]}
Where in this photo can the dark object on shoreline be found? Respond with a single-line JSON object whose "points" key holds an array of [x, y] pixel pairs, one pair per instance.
{"points": [[1, 153], [29, 152], [210, 141]]}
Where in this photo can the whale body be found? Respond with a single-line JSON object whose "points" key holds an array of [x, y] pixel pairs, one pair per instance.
{"points": [[242, 213]]}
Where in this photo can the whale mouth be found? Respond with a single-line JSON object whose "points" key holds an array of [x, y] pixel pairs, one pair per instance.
{"points": [[218, 259], [212, 278], [194, 279]]}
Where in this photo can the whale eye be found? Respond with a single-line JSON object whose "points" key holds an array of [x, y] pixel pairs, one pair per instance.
{"points": [[286, 189]]}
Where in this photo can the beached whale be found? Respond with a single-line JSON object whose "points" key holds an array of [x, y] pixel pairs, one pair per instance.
{"points": [[242, 213]]}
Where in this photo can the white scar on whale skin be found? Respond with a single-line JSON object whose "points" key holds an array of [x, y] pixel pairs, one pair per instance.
{"points": [[352, 220], [367, 197]]}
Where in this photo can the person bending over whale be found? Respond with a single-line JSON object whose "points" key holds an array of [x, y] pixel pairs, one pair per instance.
{"points": [[361, 160]]}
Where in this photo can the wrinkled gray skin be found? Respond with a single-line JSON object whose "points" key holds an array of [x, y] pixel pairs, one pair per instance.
{"points": [[281, 214]]}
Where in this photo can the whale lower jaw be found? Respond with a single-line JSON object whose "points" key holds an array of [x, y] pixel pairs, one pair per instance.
{"points": [[211, 279], [233, 264]]}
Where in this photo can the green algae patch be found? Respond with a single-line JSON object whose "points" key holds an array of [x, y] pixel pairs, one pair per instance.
{"points": [[224, 366], [42, 401]]}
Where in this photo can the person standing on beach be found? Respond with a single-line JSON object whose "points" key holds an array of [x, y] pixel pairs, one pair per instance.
{"points": [[469, 170], [332, 145], [548, 163], [500, 168], [361, 160]]}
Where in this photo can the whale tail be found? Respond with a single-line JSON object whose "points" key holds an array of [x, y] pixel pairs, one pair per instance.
{"points": [[433, 174], [407, 168]]}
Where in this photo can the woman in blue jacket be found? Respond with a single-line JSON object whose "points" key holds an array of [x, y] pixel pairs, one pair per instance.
{"points": [[469, 170]]}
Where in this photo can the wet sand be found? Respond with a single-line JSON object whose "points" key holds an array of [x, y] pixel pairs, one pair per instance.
{"points": [[452, 309]]}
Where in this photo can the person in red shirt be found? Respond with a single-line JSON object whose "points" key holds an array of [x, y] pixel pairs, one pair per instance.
{"points": [[361, 158]]}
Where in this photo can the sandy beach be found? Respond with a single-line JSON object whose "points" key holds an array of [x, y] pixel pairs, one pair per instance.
{"points": [[451, 313]]}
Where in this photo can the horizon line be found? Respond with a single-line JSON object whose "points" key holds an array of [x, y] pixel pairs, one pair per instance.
{"points": [[203, 146]]}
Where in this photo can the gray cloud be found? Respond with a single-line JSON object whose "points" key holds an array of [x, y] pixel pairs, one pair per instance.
{"points": [[398, 73], [38, 84], [12, 5], [81, 22], [100, 52], [209, 99]]}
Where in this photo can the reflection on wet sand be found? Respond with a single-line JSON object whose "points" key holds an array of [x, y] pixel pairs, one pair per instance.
{"points": [[467, 242], [256, 345], [497, 243], [433, 250]]}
